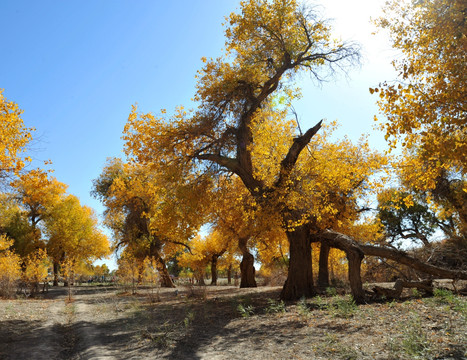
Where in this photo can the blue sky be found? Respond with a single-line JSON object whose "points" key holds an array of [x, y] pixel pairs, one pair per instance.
{"points": [[76, 67]]}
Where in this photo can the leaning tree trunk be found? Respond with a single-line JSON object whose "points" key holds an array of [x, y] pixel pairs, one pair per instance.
{"points": [[402, 258], [247, 265], [166, 280], [299, 281], [323, 272], [214, 270], [336, 239]]}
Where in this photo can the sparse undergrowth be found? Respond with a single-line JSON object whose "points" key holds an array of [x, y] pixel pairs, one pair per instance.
{"points": [[229, 323]]}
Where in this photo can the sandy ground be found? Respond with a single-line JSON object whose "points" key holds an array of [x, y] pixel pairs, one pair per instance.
{"points": [[224, 322]]}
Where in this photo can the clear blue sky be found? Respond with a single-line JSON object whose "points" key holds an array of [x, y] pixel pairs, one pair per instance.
{"points": [[76, 67]]}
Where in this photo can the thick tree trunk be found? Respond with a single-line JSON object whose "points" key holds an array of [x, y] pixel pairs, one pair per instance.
{"points": [[247, 271], [354, 257], [247, 266], [355, 261], [323, 273], [229, 275], [299, 281], [214, 270], [55, 270], [166, 280]]}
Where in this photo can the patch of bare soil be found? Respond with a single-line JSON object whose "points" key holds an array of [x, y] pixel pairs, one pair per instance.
{"points": [[224, 322], [33, 328]]}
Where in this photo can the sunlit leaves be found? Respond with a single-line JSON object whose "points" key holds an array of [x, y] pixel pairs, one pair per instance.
{"points": [[427, 109], [73, 233], [14, 136]]}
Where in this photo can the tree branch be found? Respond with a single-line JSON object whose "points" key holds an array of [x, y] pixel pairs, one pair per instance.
{"points": [[296, 148]]}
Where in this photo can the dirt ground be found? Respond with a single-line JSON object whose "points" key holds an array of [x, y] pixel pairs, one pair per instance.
{"points": [[224, 322]]}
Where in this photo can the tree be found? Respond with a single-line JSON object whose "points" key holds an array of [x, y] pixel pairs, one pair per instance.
{"points": [[406, 217], [426, 109], [15, 224], [36, 270], [266, 45], [14, 137], [38, 193], [73, 234], [10, 269], [146, 212], [233, 217]]}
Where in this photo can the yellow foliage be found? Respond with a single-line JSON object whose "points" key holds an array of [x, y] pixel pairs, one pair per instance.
{"points": [[14, 136], [73, 232], [10, 269], [36, 270], [426, 110], [39, 192]]}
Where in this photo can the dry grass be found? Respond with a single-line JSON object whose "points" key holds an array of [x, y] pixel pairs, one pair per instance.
{"points": [[228, 323]]}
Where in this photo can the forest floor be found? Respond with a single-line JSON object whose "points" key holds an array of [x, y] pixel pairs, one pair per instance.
{"points": [[224, 322]]}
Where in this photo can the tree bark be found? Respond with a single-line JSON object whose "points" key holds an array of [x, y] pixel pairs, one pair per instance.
{"points": [[166, 280], [229, 275], [354, 256], [323, 273], [299, 281], [355, 261], [55, 270], [334, 238], [214, 270], [247, 266], [402, 258]]}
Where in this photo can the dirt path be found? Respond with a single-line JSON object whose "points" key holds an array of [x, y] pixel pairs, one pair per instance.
{"points": [[228, 323], [91, 340], [33, 329]]}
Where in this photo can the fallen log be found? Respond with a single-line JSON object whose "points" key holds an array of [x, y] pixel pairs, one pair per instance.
{"points": [[399, 256], [399, 285], [355, 253]]}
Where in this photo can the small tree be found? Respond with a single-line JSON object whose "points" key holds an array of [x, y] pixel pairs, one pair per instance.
{"points": [[36, 270], [10, 270]]}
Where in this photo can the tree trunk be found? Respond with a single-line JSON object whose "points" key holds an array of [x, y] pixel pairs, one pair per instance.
{"points": [[247, 271], [229, 275], [214, 270], [247, 266], [323, 273], [355, 261], [400, 257], [55, 270], [299, 281], [201, 279], [166, 280], [354, 257]]}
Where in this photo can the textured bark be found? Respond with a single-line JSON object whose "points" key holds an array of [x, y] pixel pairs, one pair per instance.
{"points": [[355, 261], [402, 258], [55, 270], [166, 280], [323, 273], [247, 266], [354, 257], [399, 285], [299, 281], [336, 239]]}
